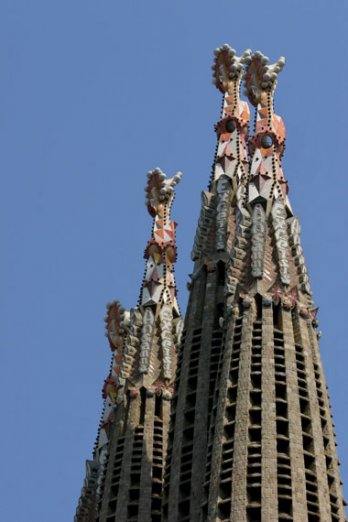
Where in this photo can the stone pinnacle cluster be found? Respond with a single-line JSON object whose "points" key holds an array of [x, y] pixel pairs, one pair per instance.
{"points": [[225, 416]]}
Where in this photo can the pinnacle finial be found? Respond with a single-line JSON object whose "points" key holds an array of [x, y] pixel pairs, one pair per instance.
{"points": [[228, 66], [116, 321], [261, 76], [159, 189]]}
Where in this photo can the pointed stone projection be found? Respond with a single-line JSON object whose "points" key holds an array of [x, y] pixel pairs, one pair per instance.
{"points": [[223, 230], [251, 436], [235, 399], [267, 182], [124, 480], [232, 129], [230, 170]]}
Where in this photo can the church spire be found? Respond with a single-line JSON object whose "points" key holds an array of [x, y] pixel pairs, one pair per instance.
{"points": [[159, 285], [243, 432], [277, 262], [251, 437], [144, 344], [232, 129], [230, 169], [267, 182]]}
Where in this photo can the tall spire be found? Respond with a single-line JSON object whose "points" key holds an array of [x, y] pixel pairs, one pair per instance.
{"points": [[277, 262], [144, 344], [241, 414], [232, 129], [230, 169], [159, 286], [252, 437], [267, 183], [158, 302]]}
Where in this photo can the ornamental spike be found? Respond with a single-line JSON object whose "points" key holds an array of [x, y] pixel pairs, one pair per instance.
{"points": [[159, 190], [267, 184], [261, 76], [232, 129], [228, 67]]}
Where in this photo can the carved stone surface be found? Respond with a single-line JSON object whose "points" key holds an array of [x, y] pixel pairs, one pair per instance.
{"points": [[261, 76], [258, 231], [87, 505], [295, 242], [146, 340], [131, 344], [166, 316], [178, 330], [236, 264], [223, 198], [204, 224], [228, 66], [103, 458], [159, 190], [281, 240]]}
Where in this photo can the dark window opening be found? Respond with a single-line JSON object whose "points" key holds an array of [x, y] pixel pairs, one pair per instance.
{"points": [[282, 428], [255, 434], [134, 494], [276, 316], [285, 506], [132, 510], [224, 509], [220, 309], [254, 494], [256, 381], [255, 416], [143, 405], [281, 391], [225, 490], [229, 430], [157, 472], [232, 394], [255, 398], [135, 479], [189, 416], [254, 514], [158, 407], [230, 412], [112, 507], [304, 406], [258, 301], [156, 488], [220, 273], [184, 508], [309, 462], [283, 446]]}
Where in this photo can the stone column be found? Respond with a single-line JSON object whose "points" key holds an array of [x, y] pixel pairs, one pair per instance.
{"points": [[269, 500], [330, 449], [199, 453], [114, 437], [123, 492], [320, 464], [241, 437], [299, 501], [146, 462], [219, 422], [194, 314]]}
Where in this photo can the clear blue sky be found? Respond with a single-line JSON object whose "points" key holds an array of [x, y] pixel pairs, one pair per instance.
{"points": [[93, 94]]}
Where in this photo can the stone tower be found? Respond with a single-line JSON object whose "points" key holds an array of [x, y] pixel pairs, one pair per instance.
{"points": [[251, 437], [124, 480], [235, 424]]}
